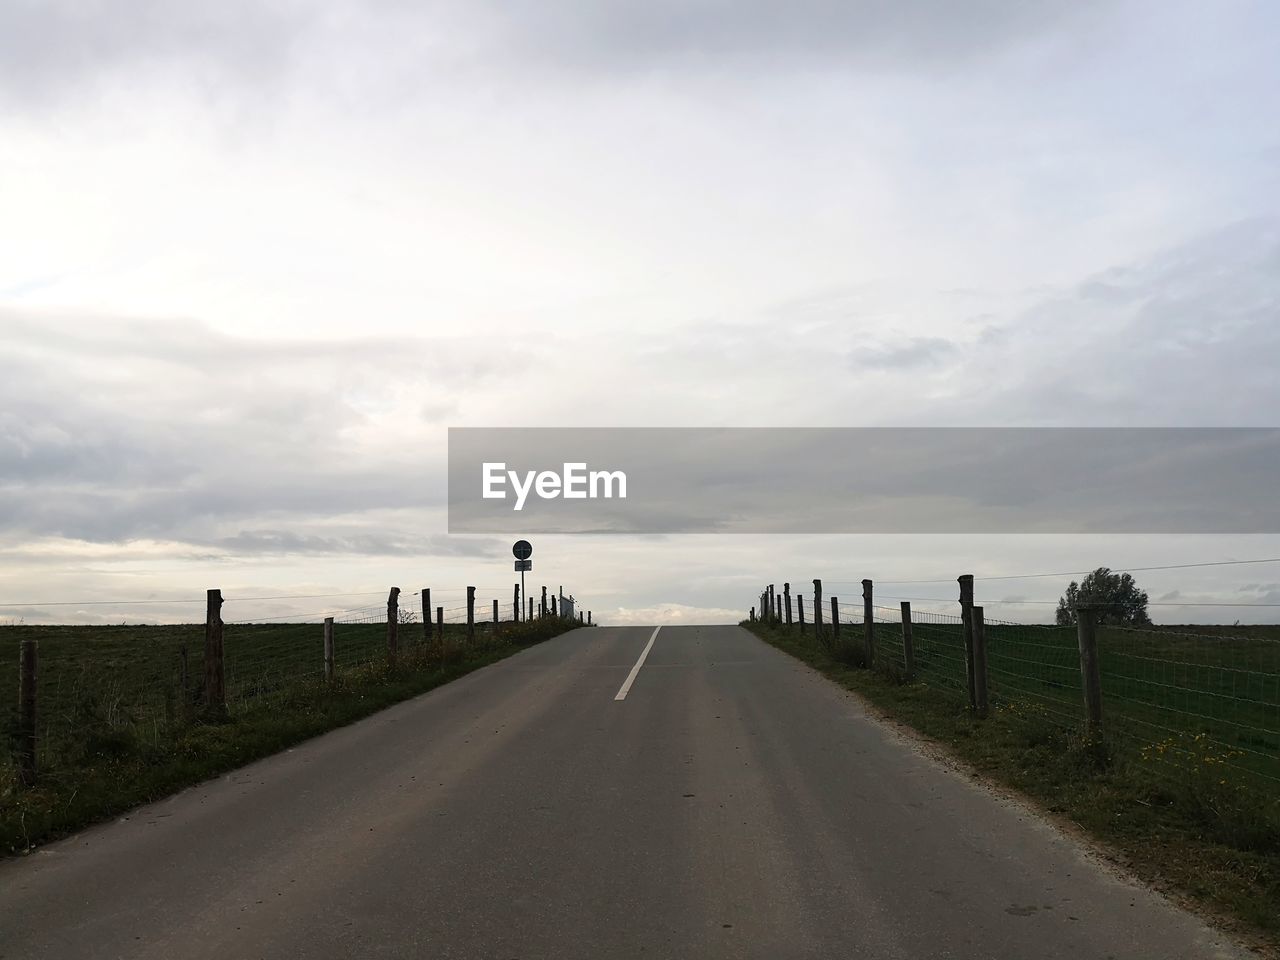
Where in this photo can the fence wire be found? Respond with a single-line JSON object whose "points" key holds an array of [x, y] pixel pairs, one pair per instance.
{"points": [[1188, 701], [107, 690]]}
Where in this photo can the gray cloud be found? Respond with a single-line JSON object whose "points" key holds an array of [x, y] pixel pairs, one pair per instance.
{"points": [[170, 431], [55, 46], [621, 35], [50, 49]]}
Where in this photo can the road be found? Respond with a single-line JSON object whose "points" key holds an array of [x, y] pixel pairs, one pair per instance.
{"points": [[734, 804]]}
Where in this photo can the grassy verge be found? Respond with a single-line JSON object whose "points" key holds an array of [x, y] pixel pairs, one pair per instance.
{"points": [[117, 762], [1195, 837]]}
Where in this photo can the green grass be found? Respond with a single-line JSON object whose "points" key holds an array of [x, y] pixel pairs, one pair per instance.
{"points": [[118, 727], [1191, 818]]}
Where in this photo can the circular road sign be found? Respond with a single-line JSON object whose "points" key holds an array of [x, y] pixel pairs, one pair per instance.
{"points": [[522, 550]]}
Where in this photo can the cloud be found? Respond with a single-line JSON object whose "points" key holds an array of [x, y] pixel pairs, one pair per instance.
{"points": [[114, 431], [613, 35], [52, 47], [911, 352]]}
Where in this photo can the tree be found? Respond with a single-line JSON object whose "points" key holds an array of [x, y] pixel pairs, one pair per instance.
{"points": [[1118, 598]]}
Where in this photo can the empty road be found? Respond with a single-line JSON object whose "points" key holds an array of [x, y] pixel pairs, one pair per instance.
{"points": [[732, 804]]}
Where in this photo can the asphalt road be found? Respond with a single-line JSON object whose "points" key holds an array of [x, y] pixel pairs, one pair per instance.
{"points": [[734, 804]]}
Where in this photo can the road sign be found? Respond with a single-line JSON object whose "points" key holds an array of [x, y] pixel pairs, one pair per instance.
{"points": [[523, 565], [522, 550]]}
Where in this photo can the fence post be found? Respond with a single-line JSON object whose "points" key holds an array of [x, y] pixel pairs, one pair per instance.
{"points": [[979, 663], [908, 642], [426, 614], [530, 617], [966, 619], [328, 647], [869, 622], [393, 621], [1090, 669], [440, 628], [817, 609], [753, 614], [835, 618], [580, 620], [215, 678], [28, 768], [471, 614], [800, 610], [555, 610], [542, 611], [588, 618], [495, 614], [515, 604], [786, 601]]}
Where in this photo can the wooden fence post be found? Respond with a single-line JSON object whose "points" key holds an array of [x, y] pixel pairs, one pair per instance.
{"points": [[471, 614], [800, 610], [328, 649], [817, 610], [426, 614], [542, 612], [28, 766], [530, 617], [515, 604], [786, 602], [580, 620], [908, 642], [753, 614], [440, 628], [1090, 669], [980, 703], [215, 678], [869, 622], [393, 622], [495, 614], [835, 618], [966, 619], [588, 618]]}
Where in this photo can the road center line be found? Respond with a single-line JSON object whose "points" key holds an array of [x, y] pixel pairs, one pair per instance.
{"points": [[631, 677]]}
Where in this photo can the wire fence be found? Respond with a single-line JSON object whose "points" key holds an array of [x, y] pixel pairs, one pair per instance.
{"points": [[106, 690], [1185, 702]]}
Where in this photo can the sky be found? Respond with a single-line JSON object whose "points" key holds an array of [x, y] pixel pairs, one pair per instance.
{"points": [[257, 258]]}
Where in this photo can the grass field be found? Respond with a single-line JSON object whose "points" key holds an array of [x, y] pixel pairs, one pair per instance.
{"points": [[1184, 787], [118, 725]]}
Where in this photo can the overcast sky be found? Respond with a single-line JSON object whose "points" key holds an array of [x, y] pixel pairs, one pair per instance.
{"points": [[255, 258]]}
